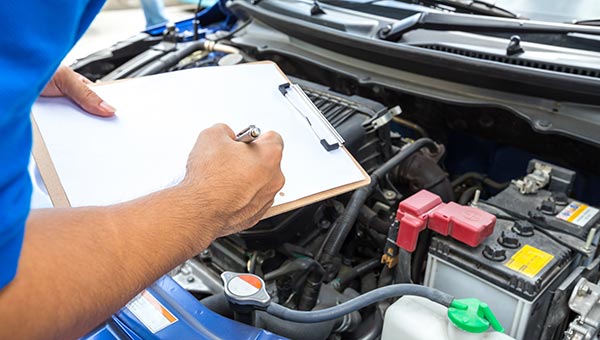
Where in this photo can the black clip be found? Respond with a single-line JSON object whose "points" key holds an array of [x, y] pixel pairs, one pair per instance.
{"points": [[284, 89], [514, 46]]}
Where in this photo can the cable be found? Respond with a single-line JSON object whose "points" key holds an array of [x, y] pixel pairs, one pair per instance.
{"points": [[196, 20], [252, 262], [168, 60], [171, 59], [419, 256], [481, 178], [301, 264], [403, 267], [540, 226], [411, 125], [344, 223], [359, 303], [218, 47], [369, 217], [324, 243], [468, 194], [232, 33], [354, 272]]}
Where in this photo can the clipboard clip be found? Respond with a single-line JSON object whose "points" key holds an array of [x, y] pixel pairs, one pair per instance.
{"points": [[329, 138]]}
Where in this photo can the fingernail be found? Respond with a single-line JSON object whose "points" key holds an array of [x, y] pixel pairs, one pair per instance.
{"points": [[107, 107]]}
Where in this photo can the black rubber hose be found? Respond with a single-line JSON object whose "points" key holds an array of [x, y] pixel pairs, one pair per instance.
{"points": [[423, 172], [481, 178], [379, 239], [218, 303], [370, 218], [467, 195], [301, 264], [370, 328], [295, 330], [344, 223], [357, 271], [312, 284], [368, 282], [359, 303], [385, 277], [403, 268], [169, 60], [419, 255]]}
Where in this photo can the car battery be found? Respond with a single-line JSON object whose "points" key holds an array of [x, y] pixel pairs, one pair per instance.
{"points": [[515, 271], [550, 205]]}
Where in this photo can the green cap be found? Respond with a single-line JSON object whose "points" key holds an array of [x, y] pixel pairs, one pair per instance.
{"points": [[473, 316]]}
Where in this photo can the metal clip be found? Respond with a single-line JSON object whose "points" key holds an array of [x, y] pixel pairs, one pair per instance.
{"points": [[381, 119]]}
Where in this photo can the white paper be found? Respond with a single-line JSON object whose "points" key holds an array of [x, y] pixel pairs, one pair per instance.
{"points": [[102, 161]]}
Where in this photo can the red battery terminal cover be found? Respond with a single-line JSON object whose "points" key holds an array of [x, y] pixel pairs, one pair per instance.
{"points": [[426, 210]]}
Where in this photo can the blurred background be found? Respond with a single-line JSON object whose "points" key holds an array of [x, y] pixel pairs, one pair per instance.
{"points": [[120, 19]]}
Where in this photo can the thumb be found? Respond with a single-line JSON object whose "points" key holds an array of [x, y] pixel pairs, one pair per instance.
{"points": [[72, 86]]}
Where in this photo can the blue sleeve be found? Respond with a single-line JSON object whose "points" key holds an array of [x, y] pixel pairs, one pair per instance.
{"points": [[37, 34]]}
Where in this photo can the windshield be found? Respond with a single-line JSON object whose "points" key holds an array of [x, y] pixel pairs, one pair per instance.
{"points": [[565, 11]]}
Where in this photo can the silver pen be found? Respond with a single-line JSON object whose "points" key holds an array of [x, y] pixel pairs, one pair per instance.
{"points": [[248, 135]]}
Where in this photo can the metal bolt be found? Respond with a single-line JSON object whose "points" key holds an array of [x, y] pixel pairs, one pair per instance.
{"points": [[389, 194], [324, 224], [590, 239], [569, 333], [583, 290], [476, 198], [190, 279], [544, 124]]}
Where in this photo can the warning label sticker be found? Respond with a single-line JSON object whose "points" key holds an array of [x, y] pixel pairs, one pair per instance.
{"points": [[577, 213], [151, 312], [529, 260], [244, 285]]}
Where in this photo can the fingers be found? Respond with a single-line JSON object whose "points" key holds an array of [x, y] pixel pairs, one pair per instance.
{"points": [[217, 132], [74, 86], [84, 79], [270, 137], [270, 146], [242, 178], [224, 129]]}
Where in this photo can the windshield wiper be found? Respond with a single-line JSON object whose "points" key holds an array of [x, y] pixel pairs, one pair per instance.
{"points": [[472, 6], [470, 23], [587, 22]]}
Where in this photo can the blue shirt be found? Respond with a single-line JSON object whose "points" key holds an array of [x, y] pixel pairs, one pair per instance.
{"points": [[36, 36]]}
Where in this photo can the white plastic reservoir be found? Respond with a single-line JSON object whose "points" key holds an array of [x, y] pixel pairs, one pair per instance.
{"points": [[417, 318]]}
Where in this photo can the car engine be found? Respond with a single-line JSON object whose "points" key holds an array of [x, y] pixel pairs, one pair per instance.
{"points": [[471, 197]]}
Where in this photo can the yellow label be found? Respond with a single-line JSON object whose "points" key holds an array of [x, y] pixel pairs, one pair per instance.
{"points": [[529, 260]]}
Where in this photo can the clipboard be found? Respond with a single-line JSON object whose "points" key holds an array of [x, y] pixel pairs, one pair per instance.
{"points": [[59, 198]]}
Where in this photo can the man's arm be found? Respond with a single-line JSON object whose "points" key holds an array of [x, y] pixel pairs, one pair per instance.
{"points": [[78, 266]]}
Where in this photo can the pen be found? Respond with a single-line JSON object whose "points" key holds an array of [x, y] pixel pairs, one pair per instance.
{"points": [[248, 135]]}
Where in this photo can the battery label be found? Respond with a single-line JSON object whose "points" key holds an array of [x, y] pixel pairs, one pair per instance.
{"points": [[577, 213], [151, 312], [529, 260]]}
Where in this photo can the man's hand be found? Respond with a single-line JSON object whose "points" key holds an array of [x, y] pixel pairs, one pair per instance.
{"points": [[68, 83], [118, 250], [241, 179]]}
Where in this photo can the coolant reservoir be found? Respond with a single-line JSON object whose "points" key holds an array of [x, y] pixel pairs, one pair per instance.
{"points": [[417, 318]]}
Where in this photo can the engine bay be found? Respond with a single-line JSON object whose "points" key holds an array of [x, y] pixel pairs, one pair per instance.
{"points": [[436, 152]]}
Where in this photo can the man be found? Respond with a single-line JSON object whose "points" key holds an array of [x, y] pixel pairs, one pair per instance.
{"points": [[63, 271], [154, 12]]}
